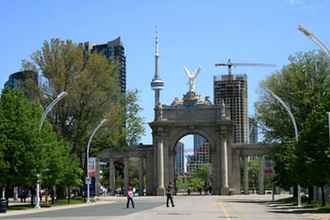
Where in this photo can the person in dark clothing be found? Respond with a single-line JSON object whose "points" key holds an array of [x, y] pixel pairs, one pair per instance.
{"points": [[169, 194], [200, 190], [130, 195]]}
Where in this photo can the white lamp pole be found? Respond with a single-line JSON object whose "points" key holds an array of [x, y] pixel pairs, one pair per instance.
{"points": [[87, 157], [43, 118], [287, 108], [315, 39]]}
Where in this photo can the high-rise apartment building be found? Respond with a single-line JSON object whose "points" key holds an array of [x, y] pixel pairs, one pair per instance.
{"points": [[232, 89], [198, 142], [179, 159], [25, 81], [114, 51], [199, 158]]}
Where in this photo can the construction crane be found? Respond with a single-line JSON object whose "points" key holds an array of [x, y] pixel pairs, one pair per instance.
{"points": [[229, 64]]}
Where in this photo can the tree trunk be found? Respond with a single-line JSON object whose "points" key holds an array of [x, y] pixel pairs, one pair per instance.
{"points": [[323, 195], [69, 195], [310, 194], [32, 196], [295, 191], [7, 194], [53, 195]]}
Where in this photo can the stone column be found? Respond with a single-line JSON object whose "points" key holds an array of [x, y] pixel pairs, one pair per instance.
{"points": [[171, 167], [160, 151], [246, 174], [261, 176], [112, 177], [141, 177], [125, 174], [236, 172], [224, 166], [216, 169], [150, 166]]}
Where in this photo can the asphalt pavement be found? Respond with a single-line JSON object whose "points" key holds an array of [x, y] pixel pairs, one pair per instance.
{"points": [[193, 208]]}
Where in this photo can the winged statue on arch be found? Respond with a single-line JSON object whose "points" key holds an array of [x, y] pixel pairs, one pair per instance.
{"points": [[192, 75]]}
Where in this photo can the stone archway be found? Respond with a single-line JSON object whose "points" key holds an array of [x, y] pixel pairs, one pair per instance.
{"points": [[175, 136], [192, 115], [200, 157]]}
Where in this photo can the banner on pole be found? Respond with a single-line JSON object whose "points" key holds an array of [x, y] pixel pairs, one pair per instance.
{"points": [[92, 166], [268, 168]]}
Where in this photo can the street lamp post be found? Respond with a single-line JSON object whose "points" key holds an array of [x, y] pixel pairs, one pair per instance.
{"points": [[43, 118], [87, 157], [315, 39], [287, 108]]}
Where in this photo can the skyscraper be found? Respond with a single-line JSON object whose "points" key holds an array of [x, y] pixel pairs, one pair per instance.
{"points": [[232, 89], [179, 159], [198, 142], [198, 159], [25, 81], [114, 51]]}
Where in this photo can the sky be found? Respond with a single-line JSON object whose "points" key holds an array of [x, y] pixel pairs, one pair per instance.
{"points": [[192, 33]]}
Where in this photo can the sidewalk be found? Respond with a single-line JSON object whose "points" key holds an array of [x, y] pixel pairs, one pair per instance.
{"points": [[321, 216], [34, 210]]}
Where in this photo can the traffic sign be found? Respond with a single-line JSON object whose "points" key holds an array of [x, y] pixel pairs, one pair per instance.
{"points": [[88, 180]]}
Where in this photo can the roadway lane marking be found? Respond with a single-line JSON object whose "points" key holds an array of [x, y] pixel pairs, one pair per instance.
{"points": [[227, 216]]}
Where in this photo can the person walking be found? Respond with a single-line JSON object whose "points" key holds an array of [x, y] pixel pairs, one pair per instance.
{"points": [[169, 194], [130, 195]]}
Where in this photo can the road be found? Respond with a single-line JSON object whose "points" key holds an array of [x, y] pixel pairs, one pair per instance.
{"points": [[192, 208]]}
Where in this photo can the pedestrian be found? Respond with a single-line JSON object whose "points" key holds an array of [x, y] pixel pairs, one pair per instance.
{"points": [[210, 189], [130, 196], [200, 190], [169, 194]]}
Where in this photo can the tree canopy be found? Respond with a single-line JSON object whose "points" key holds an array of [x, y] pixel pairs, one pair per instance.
{"points": [[27, 152], [303, 85], [91, 80]]}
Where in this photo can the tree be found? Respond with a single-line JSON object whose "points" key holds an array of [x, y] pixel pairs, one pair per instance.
{"points": [[19, 138], [199, 177], [254, 169], [27, 152], [61, 169], [91, 81], [300, 84], [72, 176], [134, 123], [313, 149], [182, 182], [304, 86]]}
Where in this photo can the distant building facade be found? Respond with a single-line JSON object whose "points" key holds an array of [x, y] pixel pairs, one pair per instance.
{"points": [[232, 90], [198, 159], [25, 81], [198, 142], [179, 159], [113, 50]]}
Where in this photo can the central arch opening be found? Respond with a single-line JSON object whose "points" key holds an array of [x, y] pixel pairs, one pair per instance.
{"points": [[193, 165]]}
